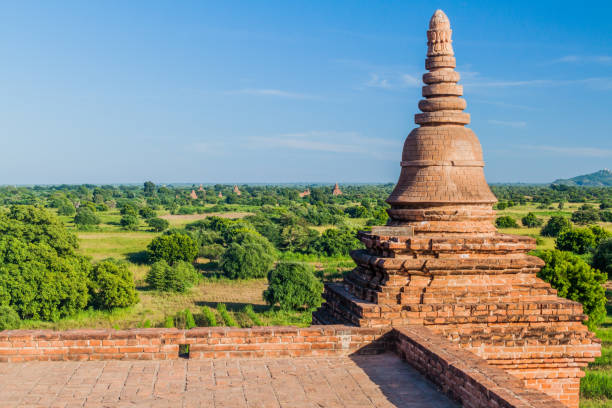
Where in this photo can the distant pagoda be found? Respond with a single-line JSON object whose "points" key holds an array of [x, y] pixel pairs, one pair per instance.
{"points": [[305, 193], [237, 190], [336, 191], [193, 195], [441, 263]]}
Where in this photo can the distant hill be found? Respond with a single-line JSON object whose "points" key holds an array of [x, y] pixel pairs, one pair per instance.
{"points": [[598, 179]]}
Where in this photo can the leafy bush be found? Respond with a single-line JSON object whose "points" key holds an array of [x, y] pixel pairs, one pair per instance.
{"points": [[576, 280], [9, 319], [225, 315], [251, 256], [248, 310], [506, 222], [129, 209], [602, 258], [172, 278], [169, 322], [158, 224], [112, 285], [66, 209], [129, 222], [183, 319], [85, 218], [597, 385], [41, 274], [606, 216], [293, 286], [335, 242], [172, 248], [577, 240], [147, 213], [586, 214], [555, 225], [208, 318], [531, 221], [212, 251]]}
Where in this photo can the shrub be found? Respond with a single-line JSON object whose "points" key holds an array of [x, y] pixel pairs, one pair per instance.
{"points": [[208, 318], [293, 286], [41, 274], [129, 222], [586, 214], [66, 209], [602, 259], [169, 322], [129, 209], [183, 319], [158, 224], [172, 278], [555, 225], [506, 222], [9, 319], [147, 213], [212, 251], [251, 256], [606, 216], [225, 315], [577, 240], [172, 248], [112, 285], [576, 280], [531, 221], [248, 310], [101, 207], [335, 242], [85, 218]]}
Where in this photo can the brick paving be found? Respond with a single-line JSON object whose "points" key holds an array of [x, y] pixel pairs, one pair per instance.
{"points": [[359, 381]]}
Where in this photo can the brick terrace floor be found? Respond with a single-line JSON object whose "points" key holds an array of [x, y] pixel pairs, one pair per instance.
{"points": [[358, 381]]}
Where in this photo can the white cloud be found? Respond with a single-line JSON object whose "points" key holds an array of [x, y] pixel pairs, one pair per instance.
{"points": [[600, 59], [270, 92], [602, 83], [334, 142], [572, 151], [514, 124], [410, 80], [377, 82]]}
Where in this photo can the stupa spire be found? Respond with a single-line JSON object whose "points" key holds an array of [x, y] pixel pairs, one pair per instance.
{"points": [[442, 187]]}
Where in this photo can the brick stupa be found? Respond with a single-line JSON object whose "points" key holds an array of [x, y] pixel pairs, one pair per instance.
{"points": [[336, 191], [441, 263]]}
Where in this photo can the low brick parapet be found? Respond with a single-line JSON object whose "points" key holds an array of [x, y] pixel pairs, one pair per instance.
{"points": [[204, 342], [464, 376]]}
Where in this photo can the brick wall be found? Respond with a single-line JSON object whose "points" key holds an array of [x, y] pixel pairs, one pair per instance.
{"points": [[160, 344], [464, 376]]}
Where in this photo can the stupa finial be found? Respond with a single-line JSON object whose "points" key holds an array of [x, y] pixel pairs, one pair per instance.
{"points": [[439, 35]]}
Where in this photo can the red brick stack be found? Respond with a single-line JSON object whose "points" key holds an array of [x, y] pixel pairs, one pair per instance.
{"points": [[440, 262]]}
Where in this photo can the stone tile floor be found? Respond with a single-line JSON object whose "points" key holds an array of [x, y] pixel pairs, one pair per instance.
{"points": [[358, 381]]}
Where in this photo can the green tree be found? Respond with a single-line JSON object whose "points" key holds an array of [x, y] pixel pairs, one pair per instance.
{"points": [[85, 218], [172, 248], [334, 242], [9, 319], [576, 240], [158, 224], [506, 221], [586, 214], [172, 278], [602, 258], [555, 225], [249, 256], [149, 188], [293, 286], [147, 213], [531, 221], [41, 274], [66, 209], [129, 222], [112, 285], [576, 280]]}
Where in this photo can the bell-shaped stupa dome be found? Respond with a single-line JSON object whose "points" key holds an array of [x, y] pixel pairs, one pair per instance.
{"points": [[442, 188]]}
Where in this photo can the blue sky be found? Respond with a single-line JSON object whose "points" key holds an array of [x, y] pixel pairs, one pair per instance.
{"points": [[292, 91]]}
